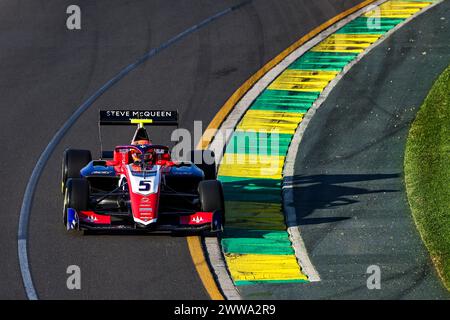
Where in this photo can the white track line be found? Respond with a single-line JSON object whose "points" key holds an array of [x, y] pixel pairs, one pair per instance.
{"points": [[25, 211], [216, 259]]}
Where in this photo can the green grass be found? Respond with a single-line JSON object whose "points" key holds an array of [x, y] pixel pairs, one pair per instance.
{"points": [[427, 173]]}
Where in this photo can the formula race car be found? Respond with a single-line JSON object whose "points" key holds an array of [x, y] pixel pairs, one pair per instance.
{"points": [[139, 186]]}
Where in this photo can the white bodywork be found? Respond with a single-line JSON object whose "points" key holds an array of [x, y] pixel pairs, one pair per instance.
{"points": [[144, 184]]}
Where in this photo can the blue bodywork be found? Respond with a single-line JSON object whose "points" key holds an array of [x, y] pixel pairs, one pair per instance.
{"points": [[72, 219], [186, 170], [95, 168]]}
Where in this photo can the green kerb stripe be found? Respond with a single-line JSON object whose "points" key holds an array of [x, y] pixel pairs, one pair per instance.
{"points": [[254, 216], [257, 246], [248, 233], [284, 100], [332, 61], [251, 189], [364, 25], [244, 142]]}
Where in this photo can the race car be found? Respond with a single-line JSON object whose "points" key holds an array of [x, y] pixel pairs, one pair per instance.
{"points": [[139, 186]]}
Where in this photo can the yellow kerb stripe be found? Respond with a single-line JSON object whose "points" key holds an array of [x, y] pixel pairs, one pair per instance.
{"points": [[346, 43], [303, 80], [255, 215], [254, 267], [251, 166], [397, 9], [270, 121]]}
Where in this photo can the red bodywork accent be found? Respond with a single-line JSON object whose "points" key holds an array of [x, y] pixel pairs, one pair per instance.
{"points": [[197, 218], [92, 217]]}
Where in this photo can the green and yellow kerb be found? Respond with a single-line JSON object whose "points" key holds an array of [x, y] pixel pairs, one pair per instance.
{"points": [[256, 244]]}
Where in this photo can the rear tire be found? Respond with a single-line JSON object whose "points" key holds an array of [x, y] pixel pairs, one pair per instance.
{"points": [[76, 196], [211, 197], [202, 159], [73, 161]]}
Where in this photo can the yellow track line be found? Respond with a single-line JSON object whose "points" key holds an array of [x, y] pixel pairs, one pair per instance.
{"points": [[198, 257], [194, 244]]}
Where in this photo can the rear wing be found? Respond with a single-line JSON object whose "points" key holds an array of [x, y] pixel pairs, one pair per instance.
{"points": [[139, 117]]}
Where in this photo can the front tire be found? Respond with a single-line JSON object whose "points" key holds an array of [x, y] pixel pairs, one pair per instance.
{"points": [[73, 161], [211, 197], [76, 196]]}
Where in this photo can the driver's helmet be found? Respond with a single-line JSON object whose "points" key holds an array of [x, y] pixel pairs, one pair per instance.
{"points": [[141, 142], [137, 156]]}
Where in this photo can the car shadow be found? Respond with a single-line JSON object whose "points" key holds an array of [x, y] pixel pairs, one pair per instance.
{"points": [[128, 233], [328, 191]]}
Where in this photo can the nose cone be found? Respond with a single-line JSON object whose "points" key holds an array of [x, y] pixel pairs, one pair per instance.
{"points": [[145, 208]]}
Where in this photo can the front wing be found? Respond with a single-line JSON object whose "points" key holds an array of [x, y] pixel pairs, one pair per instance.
{"points": [[179, 221]]}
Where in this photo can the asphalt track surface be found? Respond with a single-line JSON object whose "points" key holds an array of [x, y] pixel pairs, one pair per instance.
{"points": [[48, 71], [351, 202]]}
